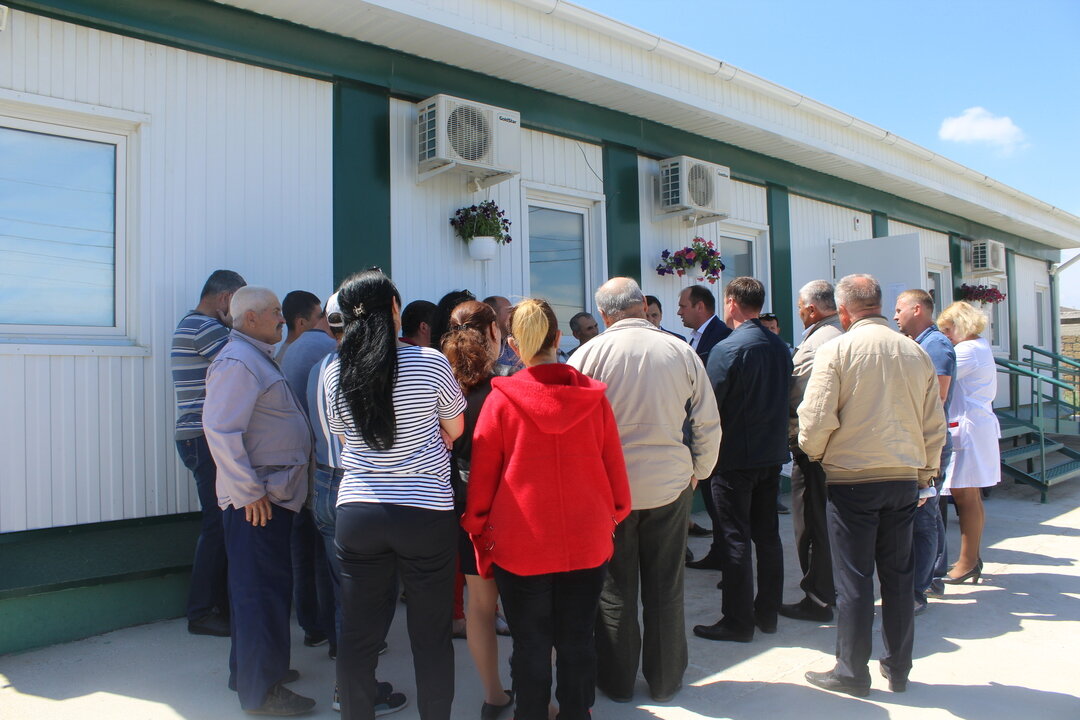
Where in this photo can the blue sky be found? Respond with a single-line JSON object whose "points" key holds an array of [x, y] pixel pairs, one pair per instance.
{"points": [[990, 84]]}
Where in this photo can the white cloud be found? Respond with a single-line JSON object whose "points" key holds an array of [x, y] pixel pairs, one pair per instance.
{"points": [[979, 125]]}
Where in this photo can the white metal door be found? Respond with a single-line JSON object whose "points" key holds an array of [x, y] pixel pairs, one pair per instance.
{"points": [[896, 262]]}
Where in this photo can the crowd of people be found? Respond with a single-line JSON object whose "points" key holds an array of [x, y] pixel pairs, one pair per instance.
{"points": [[453, 456]]}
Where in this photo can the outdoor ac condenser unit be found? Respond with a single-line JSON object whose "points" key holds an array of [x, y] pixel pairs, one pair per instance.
{"points": [[698, 190], [481, 141], [987, 258]]}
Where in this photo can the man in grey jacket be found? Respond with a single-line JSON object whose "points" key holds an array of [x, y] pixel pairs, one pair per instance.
{"points": [[261, 442], [670, 431], [817, 310]]}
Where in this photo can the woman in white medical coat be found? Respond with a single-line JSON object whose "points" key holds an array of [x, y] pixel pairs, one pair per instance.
{"points": [[976, 458]]}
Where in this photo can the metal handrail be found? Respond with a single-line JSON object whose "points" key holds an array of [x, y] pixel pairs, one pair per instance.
{"points": [[1016, 369], [1052, 355]]}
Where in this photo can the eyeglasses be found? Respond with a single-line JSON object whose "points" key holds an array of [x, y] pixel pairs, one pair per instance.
{"points": [[767, 316]]}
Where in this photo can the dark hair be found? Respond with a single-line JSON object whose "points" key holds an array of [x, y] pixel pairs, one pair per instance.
{"points": [[466, 343], [575, 321], [298, 304], [416, 312], [747, 292], [701, 294], [441, 322], [653, 300], [221, 281], [368, 356]]}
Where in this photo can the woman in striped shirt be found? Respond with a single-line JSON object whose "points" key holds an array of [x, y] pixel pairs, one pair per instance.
{"points": [[397, 407]]}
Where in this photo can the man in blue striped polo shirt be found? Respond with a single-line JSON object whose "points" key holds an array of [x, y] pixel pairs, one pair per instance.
{"points": [[197, 340]]}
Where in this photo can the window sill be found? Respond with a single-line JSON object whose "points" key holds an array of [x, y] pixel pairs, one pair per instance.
{"points": [[84, 348]]}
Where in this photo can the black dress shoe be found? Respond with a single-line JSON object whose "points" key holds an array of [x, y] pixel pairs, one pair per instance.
{"points": [[494, 712], [282, 701], [689, 556], [314, 639], [209, 624], [698, 531], [767, 628], [829, 681], [721, 632], [807, 609], [895, 684], [708, 562]]}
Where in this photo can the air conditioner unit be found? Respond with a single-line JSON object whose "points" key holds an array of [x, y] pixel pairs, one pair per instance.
{"points": [[695, 189], [987, 258], [480, 141]]}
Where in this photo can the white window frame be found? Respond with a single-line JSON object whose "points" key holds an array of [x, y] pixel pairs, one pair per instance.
{"points": [[944, 269], [999, 315], [121, 129], [591, 207], [1043, 312]]}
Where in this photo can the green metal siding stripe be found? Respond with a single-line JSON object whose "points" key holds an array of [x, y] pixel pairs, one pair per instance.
{"points": [[1014, 338], [780, 255], [39, 620], [879, 224], [623, 212], [242, 35], [956, 260], [361, 180]]}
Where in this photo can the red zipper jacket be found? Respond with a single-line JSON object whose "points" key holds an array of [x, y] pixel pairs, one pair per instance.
{"points": [[548, 482]]}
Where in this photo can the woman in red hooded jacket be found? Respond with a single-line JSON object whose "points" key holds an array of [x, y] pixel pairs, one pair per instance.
{"points": [[547, 487]]}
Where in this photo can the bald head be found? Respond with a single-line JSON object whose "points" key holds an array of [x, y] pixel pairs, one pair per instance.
{"points": [[620, 298], [857, 296]]}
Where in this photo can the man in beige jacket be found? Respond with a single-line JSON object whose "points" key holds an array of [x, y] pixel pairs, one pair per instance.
{"points": [[817, 310], [872, 417], [670, 431]]}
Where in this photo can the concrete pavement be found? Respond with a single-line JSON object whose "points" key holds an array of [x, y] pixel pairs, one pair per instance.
{"points": [[1007, 649]]}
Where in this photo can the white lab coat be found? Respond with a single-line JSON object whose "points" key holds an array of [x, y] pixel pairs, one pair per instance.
{"points": [[976, 457]]}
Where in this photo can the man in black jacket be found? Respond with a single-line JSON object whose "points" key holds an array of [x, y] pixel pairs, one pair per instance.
{"points": [[750, 370]]}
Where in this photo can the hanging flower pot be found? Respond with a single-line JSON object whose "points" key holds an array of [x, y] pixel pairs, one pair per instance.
{"points": [[700, 258], [484, 227], [483, 247]]}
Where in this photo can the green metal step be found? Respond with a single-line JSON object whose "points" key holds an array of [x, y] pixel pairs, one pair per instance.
{"points": [[1059, 473], [1026, 452]]}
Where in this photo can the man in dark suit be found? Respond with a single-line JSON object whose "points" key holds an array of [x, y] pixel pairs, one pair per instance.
{"points": [[750, 371], [654, 313], [697, 308]]}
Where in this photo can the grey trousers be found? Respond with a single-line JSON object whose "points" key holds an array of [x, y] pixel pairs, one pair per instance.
{"points": [[649, 550]]}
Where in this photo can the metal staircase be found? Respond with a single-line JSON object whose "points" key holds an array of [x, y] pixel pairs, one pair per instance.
{"points": [[1034, 458]]}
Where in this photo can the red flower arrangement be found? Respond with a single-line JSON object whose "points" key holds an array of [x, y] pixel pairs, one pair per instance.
{"points": [[700, 256], [981, 294]]}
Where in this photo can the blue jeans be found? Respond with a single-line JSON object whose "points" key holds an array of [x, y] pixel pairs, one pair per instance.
{"points": [[209, 570], [924, 545], [324, 511]]}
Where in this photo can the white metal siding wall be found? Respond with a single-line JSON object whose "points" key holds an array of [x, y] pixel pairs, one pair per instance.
{"points": [[1029, 274], [748, 207], [428, 259], [934, 245], [814, 226], [235, 173]]}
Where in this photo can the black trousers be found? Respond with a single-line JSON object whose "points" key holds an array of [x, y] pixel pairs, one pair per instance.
{"points": [[209, 571], [705, 486], [871, 524], [649, 548], [746, 506], [808, 501], [552, 611], [375, 544], [260, 593]]}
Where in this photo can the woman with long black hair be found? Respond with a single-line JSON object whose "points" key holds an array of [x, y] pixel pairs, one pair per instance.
{"points": [[397, 407]]}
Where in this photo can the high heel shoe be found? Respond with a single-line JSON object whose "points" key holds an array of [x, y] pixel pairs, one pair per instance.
{"points": [[974, 574]]}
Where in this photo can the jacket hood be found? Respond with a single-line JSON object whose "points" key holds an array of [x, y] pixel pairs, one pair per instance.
{"points": [[556, 397]]}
